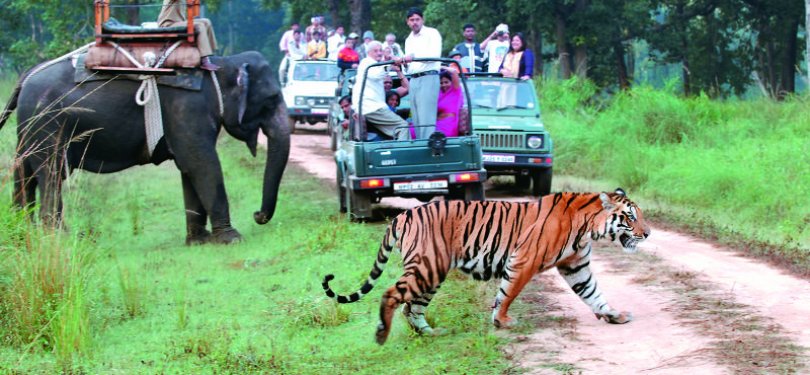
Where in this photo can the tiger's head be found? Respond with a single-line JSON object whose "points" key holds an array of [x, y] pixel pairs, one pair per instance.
{"points": [[625, 222]]}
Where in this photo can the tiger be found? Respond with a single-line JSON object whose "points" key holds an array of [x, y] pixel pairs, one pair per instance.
{"points": [[511, 241]]}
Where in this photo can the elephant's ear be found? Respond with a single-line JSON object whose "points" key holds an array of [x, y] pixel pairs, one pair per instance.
{"points": [[242, 81]]}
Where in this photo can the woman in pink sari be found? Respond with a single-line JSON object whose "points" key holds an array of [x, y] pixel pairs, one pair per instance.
{"points": [[450, 101]]}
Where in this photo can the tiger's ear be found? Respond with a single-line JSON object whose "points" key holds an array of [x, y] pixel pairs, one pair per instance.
{"points": [[607, 203], [620, 191]]}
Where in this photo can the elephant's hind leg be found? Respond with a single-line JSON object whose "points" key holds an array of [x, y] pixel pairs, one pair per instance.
{"points": [[25, 187]]}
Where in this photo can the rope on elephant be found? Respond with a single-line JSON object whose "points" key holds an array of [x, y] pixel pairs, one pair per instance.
{"points": [[57, 60], [219, 93], [148, 95]]}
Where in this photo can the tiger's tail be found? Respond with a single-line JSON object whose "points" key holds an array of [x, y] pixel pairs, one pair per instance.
{"points": [[386, 247]]}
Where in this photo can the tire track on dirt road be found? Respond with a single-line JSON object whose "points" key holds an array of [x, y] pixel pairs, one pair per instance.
{"points": [[660, 340]]}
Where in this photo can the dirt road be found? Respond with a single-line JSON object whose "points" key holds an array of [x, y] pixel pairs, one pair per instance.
{"points": [[697, 308]]}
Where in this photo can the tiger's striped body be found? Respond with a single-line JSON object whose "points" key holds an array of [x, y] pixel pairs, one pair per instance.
{"points": [[508, 240]]}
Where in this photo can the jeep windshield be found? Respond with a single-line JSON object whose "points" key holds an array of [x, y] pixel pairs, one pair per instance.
{"points": [[316, 72], [501, 94]]}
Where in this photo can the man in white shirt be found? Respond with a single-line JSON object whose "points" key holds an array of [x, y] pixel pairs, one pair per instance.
{"points": [[335, 43], [373, 107], [495, 50], [423, 42], [283, 44], [296, 49]]}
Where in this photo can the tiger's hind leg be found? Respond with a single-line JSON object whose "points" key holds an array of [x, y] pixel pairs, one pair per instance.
{"points": [[579, 277], [404, 291], [414, 312]]}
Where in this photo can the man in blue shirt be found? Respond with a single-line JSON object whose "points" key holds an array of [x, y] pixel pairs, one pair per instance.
{"points": [[470, 49]]}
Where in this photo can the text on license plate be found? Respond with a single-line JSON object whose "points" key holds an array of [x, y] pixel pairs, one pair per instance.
{"points": [[420, 185], [320, 111], [498, 158]]}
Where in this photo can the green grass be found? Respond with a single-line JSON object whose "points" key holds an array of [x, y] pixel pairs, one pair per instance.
{"points": [[146, 303], [738, 168]]}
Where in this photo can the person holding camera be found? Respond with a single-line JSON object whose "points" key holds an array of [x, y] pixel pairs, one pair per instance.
{"points": [[495, 49]]}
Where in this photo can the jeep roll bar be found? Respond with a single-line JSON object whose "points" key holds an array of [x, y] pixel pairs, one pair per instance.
{"points": [[361, 123]]}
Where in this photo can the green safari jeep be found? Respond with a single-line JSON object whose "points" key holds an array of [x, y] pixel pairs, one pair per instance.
{"points": [[506, 115], [370, 168]]}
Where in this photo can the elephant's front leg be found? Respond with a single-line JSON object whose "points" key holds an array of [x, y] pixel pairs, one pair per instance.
{"points": [[579, 277], [196, 216], [204, 193]]}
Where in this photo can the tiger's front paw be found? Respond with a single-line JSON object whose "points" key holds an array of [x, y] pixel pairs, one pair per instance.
{"points": [[615, 317]]}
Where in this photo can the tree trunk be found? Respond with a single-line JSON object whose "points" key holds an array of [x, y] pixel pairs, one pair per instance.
{"points": [[563, 51], [789, 58], [621, 67], [807, 39], [333, 6], [581, 50], [687, 85], [360, 15]]}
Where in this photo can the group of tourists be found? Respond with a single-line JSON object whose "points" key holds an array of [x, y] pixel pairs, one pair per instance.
{"points": [[435, 92]]}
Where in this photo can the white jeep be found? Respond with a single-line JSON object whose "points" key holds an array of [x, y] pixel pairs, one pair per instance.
{"points": [[309, 89]]}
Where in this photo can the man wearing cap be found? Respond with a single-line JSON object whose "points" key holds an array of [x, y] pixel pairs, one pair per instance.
{"points": [[335, 43], [471, 49], [495, 49], [315, 26], [372, 104], [422, 42], [368, 36], [316, 48]]}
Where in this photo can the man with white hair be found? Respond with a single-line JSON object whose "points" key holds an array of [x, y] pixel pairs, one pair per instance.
{"points": [[372, 105], [391, 41]]}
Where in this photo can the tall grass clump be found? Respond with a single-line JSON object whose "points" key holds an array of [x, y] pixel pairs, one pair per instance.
{"points": [[740, 165], [45, 294]]}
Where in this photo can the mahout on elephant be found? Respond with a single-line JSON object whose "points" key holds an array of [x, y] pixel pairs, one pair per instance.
{"points": [[96, 125]]}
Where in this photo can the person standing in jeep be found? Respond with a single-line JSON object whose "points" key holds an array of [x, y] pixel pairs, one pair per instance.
{"points": [[374, 108], [423, 42]]}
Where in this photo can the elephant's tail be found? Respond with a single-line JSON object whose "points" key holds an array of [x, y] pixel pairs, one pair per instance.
{"points": [[11, 105]]}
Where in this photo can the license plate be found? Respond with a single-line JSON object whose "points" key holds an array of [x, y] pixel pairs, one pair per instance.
{"points": [[320, 111], [420, 185], [498, 158]]}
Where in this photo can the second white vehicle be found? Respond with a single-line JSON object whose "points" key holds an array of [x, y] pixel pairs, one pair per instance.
{"points": [[309, 88]]}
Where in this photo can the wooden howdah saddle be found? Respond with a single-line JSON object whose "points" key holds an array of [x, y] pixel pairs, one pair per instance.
{"points": [[115, 40]]}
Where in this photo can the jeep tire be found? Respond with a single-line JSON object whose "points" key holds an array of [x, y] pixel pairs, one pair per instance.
{"points": [[541, 182], [359, 205]]}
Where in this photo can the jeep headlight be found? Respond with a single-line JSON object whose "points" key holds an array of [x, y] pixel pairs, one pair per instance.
{"points": [[311, 102], [534, 141], [299, 100]]}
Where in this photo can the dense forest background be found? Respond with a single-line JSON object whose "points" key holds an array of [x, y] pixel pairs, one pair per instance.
{"points": [[720, 48]]}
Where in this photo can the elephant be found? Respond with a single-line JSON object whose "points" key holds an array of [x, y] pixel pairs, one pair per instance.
{"points": [[97, 126]]}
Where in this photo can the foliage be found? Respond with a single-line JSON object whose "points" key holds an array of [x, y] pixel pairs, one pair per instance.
{"points": [[254, 307], [739, 164]]}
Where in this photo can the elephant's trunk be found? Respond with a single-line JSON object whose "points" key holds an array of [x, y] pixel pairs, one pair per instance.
{"points": [[278, 151]]}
